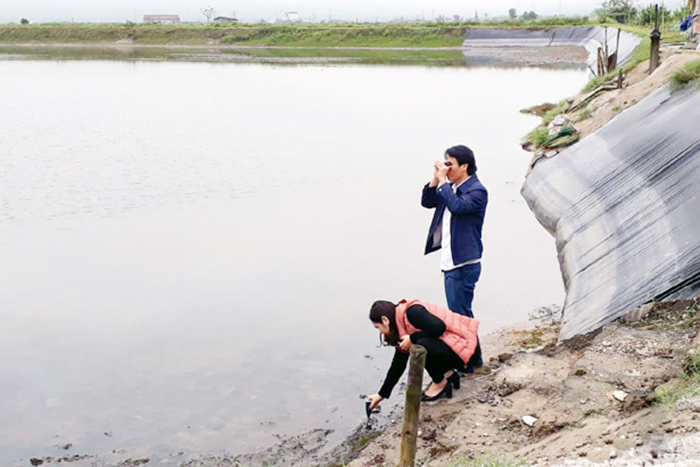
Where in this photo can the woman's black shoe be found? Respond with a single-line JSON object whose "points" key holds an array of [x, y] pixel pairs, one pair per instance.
{"points": [[446, 393], [454, 379]]}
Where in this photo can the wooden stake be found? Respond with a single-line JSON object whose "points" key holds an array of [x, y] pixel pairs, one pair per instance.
{"points": [[617, 48], [607, 54], [655, 43], [412, 408]]}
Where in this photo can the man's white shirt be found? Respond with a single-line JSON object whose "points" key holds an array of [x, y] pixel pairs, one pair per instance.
{"points": [[446, 263]]}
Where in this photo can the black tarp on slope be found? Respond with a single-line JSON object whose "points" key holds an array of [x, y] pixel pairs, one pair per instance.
{"points": [[624, 207], [590, 37]]}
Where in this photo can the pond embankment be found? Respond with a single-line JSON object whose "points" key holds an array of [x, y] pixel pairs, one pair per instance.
{"points": [[619, 43], [623, 203]]}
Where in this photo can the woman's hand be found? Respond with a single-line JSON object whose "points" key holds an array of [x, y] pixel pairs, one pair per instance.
{"points": [[375, 399], [405, 343]]}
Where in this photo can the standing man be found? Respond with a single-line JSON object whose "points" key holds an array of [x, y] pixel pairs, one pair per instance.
{"points": [[459, 200]]}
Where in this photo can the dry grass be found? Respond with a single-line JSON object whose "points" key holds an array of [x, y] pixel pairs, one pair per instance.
{"points": [[688, 74]]}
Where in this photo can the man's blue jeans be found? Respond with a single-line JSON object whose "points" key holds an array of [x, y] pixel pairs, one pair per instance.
{"points": [[459, 289]]}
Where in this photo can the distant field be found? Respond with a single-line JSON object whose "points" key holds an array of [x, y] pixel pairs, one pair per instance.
{"points": [[300, 35]]}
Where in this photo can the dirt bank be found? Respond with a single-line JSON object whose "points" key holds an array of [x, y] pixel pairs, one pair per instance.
{"points": [[638, 84], [589, 111], [570, 389]]}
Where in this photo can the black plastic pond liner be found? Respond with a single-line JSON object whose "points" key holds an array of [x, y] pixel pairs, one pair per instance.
{"points": [[624, 208], [590, 37]]}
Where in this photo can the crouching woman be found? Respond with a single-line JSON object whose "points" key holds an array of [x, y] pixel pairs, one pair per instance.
{"points": [[450, 340]]}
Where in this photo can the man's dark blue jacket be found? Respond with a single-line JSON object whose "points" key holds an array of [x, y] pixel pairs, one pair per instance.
{"points": [[468, 207]]}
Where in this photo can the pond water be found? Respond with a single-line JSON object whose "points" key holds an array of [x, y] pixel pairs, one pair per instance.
{"points": [[189, 250]]}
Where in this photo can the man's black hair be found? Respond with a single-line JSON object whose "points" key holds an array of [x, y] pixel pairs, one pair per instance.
{"points": [[464, 155]]}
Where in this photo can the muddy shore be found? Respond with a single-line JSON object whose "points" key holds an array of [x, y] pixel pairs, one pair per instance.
{"points": [[604, 397]]}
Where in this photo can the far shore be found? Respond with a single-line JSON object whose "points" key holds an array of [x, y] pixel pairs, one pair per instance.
{"points": [[435, 56], [221, 46], [358, 36]]}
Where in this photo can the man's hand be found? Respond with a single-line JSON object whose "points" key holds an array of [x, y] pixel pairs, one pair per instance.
{"points": [[375, 399], [434, 181], [441, 172], [405, 343]]}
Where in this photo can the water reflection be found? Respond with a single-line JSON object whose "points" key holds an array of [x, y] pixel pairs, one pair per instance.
{"points": [[257, 54], [568, 57], [190, 249]]}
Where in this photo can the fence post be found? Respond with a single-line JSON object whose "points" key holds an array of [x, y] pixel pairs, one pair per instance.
{"points": [[412, 408], [655, 44]]}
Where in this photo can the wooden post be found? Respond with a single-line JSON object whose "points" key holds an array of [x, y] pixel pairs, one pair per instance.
{"points": [[412, 408], [655, 44], [617, 51], [607, 53]]}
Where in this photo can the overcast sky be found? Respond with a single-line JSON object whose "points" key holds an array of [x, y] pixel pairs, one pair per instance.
{"points": [[255, 10]]}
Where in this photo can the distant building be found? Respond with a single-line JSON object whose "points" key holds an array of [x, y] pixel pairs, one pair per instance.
{"points": [[292, 17], [161, 19], [225, 19]]}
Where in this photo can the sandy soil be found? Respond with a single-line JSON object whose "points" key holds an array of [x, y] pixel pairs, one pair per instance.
{"points": [[568, 387]]}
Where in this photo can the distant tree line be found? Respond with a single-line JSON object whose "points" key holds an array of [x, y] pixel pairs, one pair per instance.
{"points": [[622, 11], [527, 16], [630, 11]]}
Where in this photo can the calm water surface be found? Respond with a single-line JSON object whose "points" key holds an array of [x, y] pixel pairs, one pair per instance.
{"points": [[189, 250]]}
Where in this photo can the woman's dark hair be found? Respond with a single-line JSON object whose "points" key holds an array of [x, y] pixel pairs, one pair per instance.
{"points": [[464, 155], [382, 308]]}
